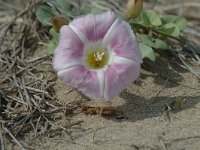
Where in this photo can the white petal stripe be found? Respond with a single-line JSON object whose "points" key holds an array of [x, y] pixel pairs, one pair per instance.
{"points": [[123, 60], [71, 65], [101, 79], [78, 32], [110, 30]]}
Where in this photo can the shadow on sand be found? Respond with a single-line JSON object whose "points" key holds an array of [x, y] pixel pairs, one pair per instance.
{"points": [[139, 108]]}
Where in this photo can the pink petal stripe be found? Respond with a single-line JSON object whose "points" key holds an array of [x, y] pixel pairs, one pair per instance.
{"points": [[95, 26], [70, 49], [82, 79], [118, 76], [124, 43]]}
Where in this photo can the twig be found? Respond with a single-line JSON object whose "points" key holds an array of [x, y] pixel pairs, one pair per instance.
{"points": [[1, 138], [34, 64], [17, 100], [162, 88], [33, 89], [37, 124], [22, 47], [52, 111], [162, 143], [58, 126], [177, 6], [9, 6], [192, 31], [28, 98], [181, 139], [24, 119], [37, 58], [22, 70], [13, 137], [189, 67]]}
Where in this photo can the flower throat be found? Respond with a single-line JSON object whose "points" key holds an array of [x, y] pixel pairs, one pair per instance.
{"points": [[97, 59]]}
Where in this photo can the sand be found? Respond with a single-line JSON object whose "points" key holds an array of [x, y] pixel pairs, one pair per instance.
{"points": [[142, 125]]}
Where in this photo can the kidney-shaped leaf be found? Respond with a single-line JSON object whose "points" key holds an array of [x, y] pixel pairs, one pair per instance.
{"points": [[44, 14], [147, 51], [160, 44], [180, 22], [170, 29], [150, 17], [64, 5]]}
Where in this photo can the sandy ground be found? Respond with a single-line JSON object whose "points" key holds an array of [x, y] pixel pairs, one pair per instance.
{"points": [[141, 124]]}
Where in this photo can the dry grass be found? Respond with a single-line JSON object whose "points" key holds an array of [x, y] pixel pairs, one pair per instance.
{"points": [[27, 99]]}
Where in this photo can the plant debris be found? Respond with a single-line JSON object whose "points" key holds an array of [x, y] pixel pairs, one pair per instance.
{"points": [[104, 111], [27, 101]]}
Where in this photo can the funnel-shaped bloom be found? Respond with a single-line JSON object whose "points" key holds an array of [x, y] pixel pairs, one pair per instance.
{"points": [[98, 55]]}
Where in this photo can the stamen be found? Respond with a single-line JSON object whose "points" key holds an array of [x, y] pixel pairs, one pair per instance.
{"points": [[98, 56]]}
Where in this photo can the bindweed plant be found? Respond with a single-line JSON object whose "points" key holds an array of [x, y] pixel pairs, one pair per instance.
{"points": [[52, 14], [152, 29]]}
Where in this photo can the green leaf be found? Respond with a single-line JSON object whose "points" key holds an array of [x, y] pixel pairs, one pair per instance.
{"points": [[181, 23], [61, 8], [53, 42], [170, 29], [147, 40], [145, 20], [51, 46], [150, 17], [87, 10], [44, 14], [147, 52], [155, 43], [168, 18], [137, 20], [63, 4], [160, 44], [53, 33]]}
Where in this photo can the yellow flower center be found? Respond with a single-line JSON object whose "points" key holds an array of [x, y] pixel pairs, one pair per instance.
{"points": [[97, 59]]}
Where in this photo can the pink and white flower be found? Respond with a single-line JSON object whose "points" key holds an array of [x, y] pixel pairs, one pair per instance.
{"points": [[98, 55]]}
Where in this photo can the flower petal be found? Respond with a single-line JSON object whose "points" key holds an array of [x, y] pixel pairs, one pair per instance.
{"points": [[101, 79], [123, 42], [82, 79], [69, 50], [94, 26], [120, 74]]}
